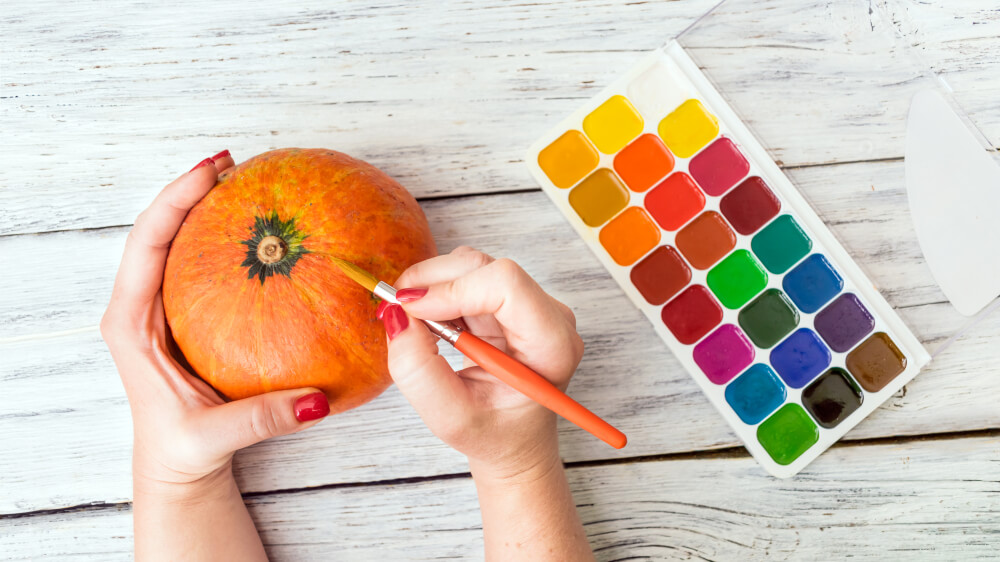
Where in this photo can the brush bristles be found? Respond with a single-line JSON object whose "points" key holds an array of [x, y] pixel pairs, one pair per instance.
{"points": [[360, 276]]}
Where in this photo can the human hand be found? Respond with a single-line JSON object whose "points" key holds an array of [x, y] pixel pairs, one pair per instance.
{"points": [[184, 431], [504, 433]]}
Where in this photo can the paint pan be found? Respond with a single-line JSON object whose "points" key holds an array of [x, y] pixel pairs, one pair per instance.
{"points": [[784, 332]]}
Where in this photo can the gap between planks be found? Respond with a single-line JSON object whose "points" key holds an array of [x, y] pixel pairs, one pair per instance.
{"points": [[725, 453], [419, 199], [472, 194]]}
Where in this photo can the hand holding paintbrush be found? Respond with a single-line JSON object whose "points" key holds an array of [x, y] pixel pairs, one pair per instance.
{"points": [[498, 301]]}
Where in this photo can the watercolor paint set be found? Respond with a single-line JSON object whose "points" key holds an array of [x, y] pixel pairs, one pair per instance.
{"points": [[783, 331]]}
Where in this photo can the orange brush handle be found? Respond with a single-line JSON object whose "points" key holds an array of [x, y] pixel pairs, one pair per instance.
{"points": [[536, 387]]}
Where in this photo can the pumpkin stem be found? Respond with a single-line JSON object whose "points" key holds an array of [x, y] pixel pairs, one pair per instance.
{"points": [[274, 247], [271, 249]]}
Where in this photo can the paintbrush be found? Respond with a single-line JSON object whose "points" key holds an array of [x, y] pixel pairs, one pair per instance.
{"points": [[498, 364]]}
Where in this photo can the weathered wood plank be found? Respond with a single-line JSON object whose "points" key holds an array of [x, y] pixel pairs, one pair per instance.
{"points": [[65, 428], [448, 114], [445, 112], [837, 76], [936, 500], [62, 281], [66, 387]]}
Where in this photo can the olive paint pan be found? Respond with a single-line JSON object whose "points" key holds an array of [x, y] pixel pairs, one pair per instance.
{"points": [[760, 303]]}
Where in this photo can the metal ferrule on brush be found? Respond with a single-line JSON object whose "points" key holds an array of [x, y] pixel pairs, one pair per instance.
{"points": [[444, 330]]}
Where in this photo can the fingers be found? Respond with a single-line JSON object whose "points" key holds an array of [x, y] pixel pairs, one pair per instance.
{"points": [[461, 261], [500, 288], [141, 272], [422, 375], [467, 283], [566, 312], [223, 161], [539, 329], [233, 426]]}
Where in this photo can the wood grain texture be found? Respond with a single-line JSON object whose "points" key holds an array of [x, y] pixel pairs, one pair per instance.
{"points": [[67, 386], [62, 281], [65, 425], [101, 106], [927, 500], [104, 105]]}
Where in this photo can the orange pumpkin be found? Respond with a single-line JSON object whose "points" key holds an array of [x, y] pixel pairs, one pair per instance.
{"points": [[251, 296]]}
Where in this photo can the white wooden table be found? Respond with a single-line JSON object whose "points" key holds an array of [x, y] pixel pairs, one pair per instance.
{"points": [[101, 105]]}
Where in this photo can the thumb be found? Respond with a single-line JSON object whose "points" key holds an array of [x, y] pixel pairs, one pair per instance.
{"points": [[242, 423], [424, 377]]}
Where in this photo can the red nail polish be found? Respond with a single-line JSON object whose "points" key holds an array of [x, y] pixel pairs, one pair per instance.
{"points": [[381, 309], [220, 155], [394, 319], [311, 407], [410, 295], [204, 162]]}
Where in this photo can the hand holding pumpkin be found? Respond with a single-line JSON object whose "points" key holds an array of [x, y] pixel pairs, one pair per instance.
{"points": [[503, 433], [184, 432], [185, 499]]}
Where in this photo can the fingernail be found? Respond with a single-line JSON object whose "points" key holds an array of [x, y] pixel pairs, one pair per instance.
{"points": [[394, 319], [381, 309], [311, 407], [410, 295], [204, 162], [220, 155]]}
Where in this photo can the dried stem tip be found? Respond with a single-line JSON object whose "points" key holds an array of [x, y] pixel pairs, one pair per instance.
{"points": [[271, 249]]}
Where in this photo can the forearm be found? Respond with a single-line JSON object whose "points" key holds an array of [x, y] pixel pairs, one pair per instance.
{"points": [[203, 520], [530, 516]]}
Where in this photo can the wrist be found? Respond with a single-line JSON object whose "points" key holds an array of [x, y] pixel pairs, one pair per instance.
{"points": [[215, 485], [531, 465]]}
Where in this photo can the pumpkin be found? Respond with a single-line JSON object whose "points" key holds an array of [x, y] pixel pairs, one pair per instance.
{"points": [[251, 296]]}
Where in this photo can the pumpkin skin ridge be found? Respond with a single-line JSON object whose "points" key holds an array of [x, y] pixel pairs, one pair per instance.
{"points": [[384, 213], [178, 323], [339, 178], [338, 316], [257, 324], [233, 327], [261, 372], [313, 304], [231, 316]]}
